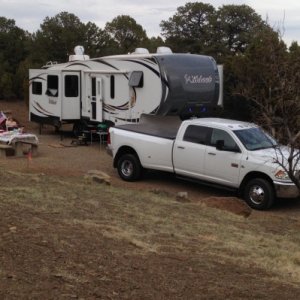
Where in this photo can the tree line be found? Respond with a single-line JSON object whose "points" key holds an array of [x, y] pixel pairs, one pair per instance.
{"points": [[261, 74]]}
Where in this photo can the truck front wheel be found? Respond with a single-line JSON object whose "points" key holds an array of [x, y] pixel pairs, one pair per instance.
{"points": [[129, 167], [259, 193]]}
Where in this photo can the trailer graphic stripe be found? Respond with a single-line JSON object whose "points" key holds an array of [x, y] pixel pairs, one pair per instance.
{"points": [[37, 77], [40, 109], [78, 64], [150, 68], [125, 106], [106, 63]]}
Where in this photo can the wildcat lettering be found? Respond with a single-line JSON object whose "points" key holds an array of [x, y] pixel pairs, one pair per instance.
{"points": [[193, 79]]}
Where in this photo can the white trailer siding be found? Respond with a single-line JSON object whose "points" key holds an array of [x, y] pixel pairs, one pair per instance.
{"points": [[118, 89]]}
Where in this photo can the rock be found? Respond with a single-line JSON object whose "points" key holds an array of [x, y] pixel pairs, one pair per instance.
{"points": [[182, 197], [13, 229], [97, 176]]}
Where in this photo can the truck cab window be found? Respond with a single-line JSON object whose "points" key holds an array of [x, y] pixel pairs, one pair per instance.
{"points": [[71, 86], [221, 135], [52, 85], [197, 134]]}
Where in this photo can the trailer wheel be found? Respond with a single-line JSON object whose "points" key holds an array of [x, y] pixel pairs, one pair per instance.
{"points": [[259, 194], [129, 167]]}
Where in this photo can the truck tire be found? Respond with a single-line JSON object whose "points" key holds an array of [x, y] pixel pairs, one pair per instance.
{"points": [[129, 167], [259, 193]]}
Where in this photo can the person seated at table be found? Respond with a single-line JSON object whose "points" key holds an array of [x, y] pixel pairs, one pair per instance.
{"points": [[11, 124]]}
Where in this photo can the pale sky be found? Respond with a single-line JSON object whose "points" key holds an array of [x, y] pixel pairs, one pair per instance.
{"points": [[30, 14]]}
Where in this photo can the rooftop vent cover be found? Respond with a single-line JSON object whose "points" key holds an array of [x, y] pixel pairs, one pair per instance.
{"points": [[164, 50], [141, 51]]}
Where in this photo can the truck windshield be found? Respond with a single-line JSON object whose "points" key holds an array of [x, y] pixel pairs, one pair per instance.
{"points": [[255, 138]]}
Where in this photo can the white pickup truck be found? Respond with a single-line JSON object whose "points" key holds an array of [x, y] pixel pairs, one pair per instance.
{"points": [[222, 152]]}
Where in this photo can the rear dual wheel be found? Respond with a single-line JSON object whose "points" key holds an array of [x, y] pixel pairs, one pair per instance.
{"points": [[129, 167]]}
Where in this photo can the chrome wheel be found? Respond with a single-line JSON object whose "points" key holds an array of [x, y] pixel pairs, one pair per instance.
{"points": [[127, 168], [257, 194]]}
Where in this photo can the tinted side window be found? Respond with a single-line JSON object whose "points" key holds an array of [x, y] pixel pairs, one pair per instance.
{"points": [[218, 134], [36, 88], [71, 86], [112, 87], [136, 79], [52, 85], [197, 134]]}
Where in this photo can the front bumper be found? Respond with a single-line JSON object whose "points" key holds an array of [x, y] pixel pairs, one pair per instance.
{"points": [[286, 189]]}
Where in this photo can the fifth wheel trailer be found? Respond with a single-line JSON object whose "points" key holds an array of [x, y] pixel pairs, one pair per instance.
{"points": [[117, 89]]}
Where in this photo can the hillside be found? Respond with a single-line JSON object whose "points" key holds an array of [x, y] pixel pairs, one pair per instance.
{"points": [[65, 236]]}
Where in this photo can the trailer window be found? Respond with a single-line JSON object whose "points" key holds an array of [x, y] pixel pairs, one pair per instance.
{"points": [[136, 79], [36, 88], [112, 87], [71, 86], [52, 85], [197, 134]]}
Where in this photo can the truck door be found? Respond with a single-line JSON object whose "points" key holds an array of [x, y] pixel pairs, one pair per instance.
{"points": [[71, 95], [223, 166], [96, 99], [189, 152]]}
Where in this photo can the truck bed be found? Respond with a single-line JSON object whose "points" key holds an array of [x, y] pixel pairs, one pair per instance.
{"points": [[159, 126]]}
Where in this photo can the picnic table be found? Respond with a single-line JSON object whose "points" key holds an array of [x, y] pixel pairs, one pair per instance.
{"points": [[17, 141]]}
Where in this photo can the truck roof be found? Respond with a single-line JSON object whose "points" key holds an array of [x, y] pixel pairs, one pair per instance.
{"points": [[220, 122]]}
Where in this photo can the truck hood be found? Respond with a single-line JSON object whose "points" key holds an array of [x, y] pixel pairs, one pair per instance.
{"points": [[270, 155]]}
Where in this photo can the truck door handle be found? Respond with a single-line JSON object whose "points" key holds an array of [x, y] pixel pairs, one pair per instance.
{"points": [[180, 147], [211, 153]]}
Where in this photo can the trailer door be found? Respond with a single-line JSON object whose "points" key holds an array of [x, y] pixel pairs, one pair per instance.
{"points": [[96, 99], [71, 95]]}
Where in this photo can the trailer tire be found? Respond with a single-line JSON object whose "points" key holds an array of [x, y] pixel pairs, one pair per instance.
{"points": [[259, 193], [129, 167]]}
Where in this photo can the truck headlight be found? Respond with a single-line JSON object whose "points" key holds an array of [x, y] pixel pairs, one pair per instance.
{"points": [[282, 175]]}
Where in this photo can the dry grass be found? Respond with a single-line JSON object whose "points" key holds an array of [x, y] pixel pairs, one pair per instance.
{"points": [[159, 224], [68, 238]]}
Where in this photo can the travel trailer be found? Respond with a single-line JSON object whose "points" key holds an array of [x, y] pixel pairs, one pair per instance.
{"points": [[118, 89]]}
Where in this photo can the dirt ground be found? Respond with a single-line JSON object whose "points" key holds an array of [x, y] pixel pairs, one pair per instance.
{"points": [[58, 157], [109, 268]]}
